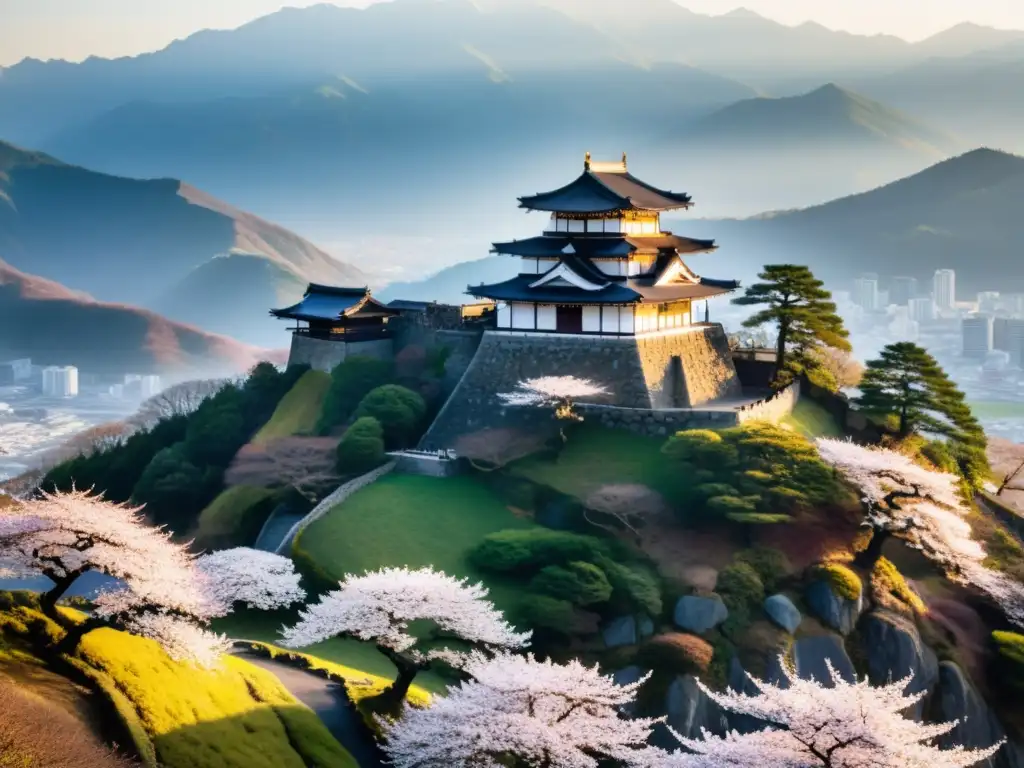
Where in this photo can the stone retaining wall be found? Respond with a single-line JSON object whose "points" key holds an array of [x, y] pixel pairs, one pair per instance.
{"points": [[325, 506], [686, 367], [324, 355], [655, 423], [774, 408], [426, 466]]}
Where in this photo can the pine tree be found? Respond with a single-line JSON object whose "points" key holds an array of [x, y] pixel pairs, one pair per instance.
{"points": [[907, 385], [806, 318]]}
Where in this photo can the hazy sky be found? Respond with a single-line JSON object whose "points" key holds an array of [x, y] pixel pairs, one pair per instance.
{"points": [[74, 29]]}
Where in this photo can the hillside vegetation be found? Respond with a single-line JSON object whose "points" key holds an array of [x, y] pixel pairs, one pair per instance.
{"points": [[299, 410]]}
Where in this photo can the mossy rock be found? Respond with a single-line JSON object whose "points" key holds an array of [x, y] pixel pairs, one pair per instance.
{"points": [[676, 653], [844, 581], [890, 590], [1010, 660]]}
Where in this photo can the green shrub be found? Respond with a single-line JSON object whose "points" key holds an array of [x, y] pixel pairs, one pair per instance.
{"points": [[676, 653], [400, 412], [634, 588], [844, 582], [543, 612], [351, 381], [362, 447], [531, 549], [740, 586], [1010, 660], [770, 564], [579, 583]]}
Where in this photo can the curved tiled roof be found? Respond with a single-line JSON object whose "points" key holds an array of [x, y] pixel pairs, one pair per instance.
{"points": [[598, 191]]}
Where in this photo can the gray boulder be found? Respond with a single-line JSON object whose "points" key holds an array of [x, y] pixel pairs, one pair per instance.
{"points": [[811, 653], [620, 632], [646, 626], [699, 614], [781, 610], [894, 650], [956, 699], [837, 612], [688, 710]]}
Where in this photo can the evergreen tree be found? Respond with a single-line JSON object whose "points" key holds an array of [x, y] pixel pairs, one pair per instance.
{"points": [[806, 319], [906, 386]]}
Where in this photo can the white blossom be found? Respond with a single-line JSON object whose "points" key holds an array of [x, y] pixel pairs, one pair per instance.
{"points": [[516, 707], [261, 580], [926, 509], [559, 392], [164, 591], [809, 725], [380, 605]]}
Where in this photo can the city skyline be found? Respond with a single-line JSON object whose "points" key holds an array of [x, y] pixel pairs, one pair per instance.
{"points": [[76, 29]]}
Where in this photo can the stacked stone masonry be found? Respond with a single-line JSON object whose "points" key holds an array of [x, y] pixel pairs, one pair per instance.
{"points": [[324, 355], [674, 370]]}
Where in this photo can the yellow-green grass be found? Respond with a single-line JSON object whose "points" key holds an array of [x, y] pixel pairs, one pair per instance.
{"points": [[299, 410], [225, 519], [358, 684], [183, 716], [812, 420], [594, 456], [236, 715]]}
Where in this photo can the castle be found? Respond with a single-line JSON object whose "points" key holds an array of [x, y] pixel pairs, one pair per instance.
{"points": [[603, 293]]}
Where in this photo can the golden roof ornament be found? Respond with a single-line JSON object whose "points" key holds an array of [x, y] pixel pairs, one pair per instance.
{"points": [[624, 166], [586, 162]]}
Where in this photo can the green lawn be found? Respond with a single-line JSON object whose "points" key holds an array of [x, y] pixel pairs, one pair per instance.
{"points": [[228, 520], [406, 520], [812, 420], [595, 456], [299, 410]]}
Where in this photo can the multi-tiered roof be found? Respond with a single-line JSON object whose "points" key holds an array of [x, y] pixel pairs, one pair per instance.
{"points": [[605, 246]]}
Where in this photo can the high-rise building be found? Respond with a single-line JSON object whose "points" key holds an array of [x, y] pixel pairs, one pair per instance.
{"points": [[921, 310], [60, 381], [1008, 336], [988, 302], [902, 327], [865, 292], [944, 289], [1013, 303], [978, 336], [902, 290]]}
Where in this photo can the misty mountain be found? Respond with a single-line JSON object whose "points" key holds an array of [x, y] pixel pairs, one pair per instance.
{"points": [[338, 151], [138, 242], [796, 151], [976, 96], [53, 325], [963, 214]]}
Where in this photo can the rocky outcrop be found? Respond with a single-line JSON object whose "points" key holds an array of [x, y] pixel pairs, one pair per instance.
{"points": [[621, 631], [894, 651], [780, 609], [956, 699], [835, 611], [810, 655], [700, 614]]}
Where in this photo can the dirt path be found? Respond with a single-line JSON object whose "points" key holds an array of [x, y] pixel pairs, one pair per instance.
{"points": [[324, 698]]}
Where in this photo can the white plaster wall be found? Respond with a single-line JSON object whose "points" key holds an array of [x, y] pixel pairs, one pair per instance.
{"points": [[529, 266], [504, 316], [591, 319], [626, 324], [576, 225], [546, 318], [610, 322], [615, 267], [522, 316]]}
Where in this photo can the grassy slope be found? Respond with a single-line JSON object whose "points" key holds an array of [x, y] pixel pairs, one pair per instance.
{"points": [[180, 716], [812, 420], [298, 411], [224, 516], [595, 456]]}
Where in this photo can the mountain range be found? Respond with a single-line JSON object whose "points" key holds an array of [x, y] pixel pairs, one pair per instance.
{"points": [[159, 244], [53, 325], [962, 213]]}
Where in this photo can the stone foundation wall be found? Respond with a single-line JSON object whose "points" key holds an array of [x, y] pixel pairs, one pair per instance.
{"points": [[774, 408], [425, 466], [323, 355], [654, 423], [689, 368]]}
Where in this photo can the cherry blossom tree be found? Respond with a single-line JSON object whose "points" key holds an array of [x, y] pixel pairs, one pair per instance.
{"points": [[558, 392], [380, 605], [178, 400], [927, 510], [306, 464], [811, 725], [517, 710], [630, 504], [164, 591]]}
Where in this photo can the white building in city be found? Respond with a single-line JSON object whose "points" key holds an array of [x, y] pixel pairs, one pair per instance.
{"points": [[988, 301], [865, 293], [902, 327], [978, 336], [60, 381], [944, 289], [921, 310]]}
